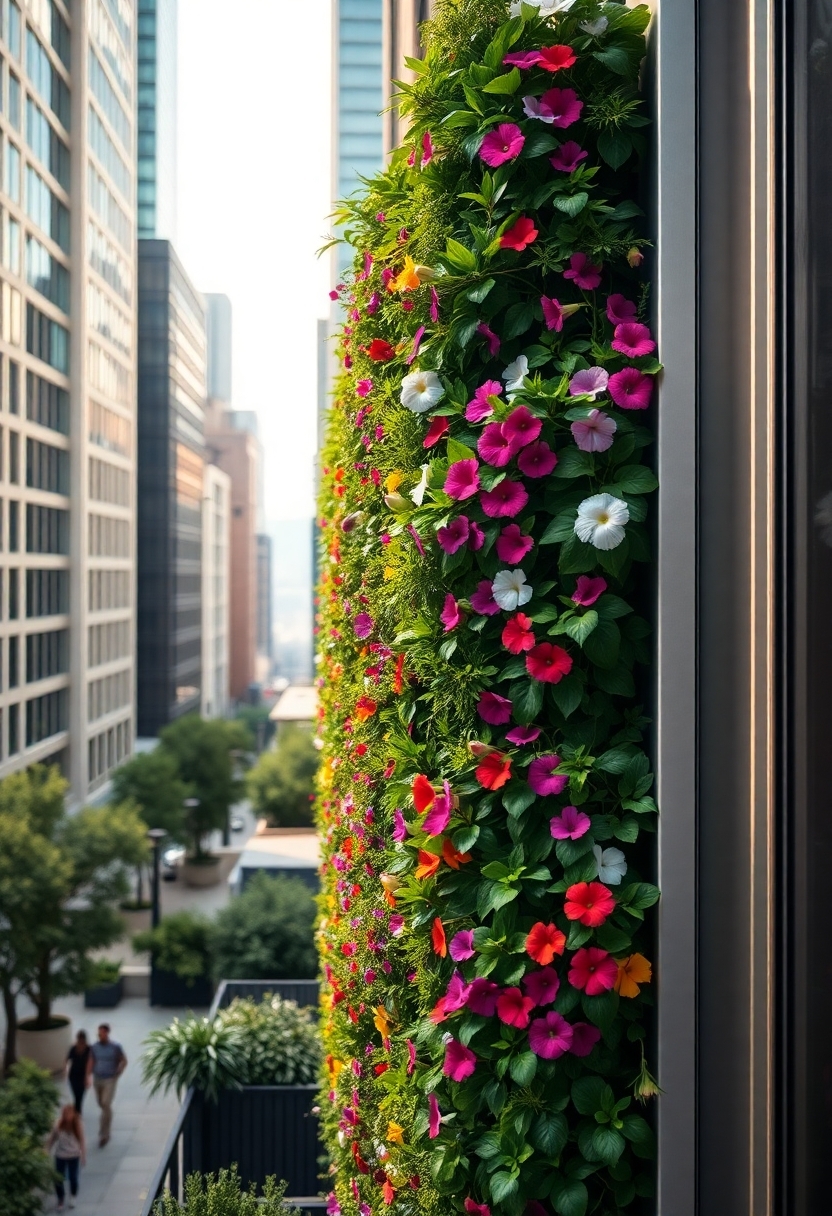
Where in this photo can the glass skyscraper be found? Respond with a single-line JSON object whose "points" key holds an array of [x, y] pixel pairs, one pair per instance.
{"points": [[157, 119], [359, 98]]}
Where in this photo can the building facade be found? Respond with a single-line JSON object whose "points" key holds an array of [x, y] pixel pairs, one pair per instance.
{"points": [[219, 347], [157, 95], [171, 448], [400, 41], [265, 635], [216, 581]]}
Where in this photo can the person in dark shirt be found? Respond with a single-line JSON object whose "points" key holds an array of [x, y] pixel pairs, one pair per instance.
{"points": [[79, 1068]]}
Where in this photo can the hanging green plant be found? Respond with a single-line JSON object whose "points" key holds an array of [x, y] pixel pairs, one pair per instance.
{"points": [[484, 791]]}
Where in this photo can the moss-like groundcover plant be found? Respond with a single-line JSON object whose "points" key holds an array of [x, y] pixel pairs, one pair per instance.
{"points": [[484, 787]]}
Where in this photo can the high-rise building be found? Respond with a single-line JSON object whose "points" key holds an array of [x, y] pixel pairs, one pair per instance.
{"points": [[67, 387], [171, 412], [219, 348], [265, 639], [216, 581], [157, 90], [400, 39]]}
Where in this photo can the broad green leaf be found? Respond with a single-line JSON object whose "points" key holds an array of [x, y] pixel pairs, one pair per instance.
{"points": [[603, 1144], [460, 257], [617, 60], [635, 479], [549, 1133], [617, 681], [477, 294], [572, 1199], [567, 694], [616, 941], [527, 701], [614, 147], [573, 204], [460, 118], [640, 1134], [523, 1068], [560, 529], [616, 759], [503, 1186], [574, 463], [603, 643], [588, 1094], [464, 838], [538, 144], [518, 797], [504, 85], [580, 627], [459, 451], [519, 318]]}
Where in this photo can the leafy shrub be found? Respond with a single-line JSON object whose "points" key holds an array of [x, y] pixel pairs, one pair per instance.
{"points": [[282, 1044], [223, 1195], [181, 943], [267, 932], [104, 972], [282, 781], [207, 1054], [28, 1101]]}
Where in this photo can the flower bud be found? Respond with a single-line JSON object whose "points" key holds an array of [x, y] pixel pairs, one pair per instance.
{"points": [[391, 882], [479, 750], [352, 521], [425, 274], [634, 256], [397, 503]]}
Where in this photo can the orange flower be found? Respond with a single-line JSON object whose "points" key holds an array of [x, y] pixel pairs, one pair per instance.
{"points": [[388, 1192], [437, 937], [382, 1021], [398, 675], [632, 971], [544, 942], [365, 707], [494, 770], [451, 856], [395, 1133], [407, 279], [428, 864], [423, 793]]}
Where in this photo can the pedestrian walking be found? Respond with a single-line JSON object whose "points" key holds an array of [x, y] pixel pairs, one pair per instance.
{"points": [[67, 1138], [109, 1062], [79, 1068]]}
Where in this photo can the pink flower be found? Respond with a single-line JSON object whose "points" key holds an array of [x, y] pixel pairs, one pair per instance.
{"points": [[461, 946], [450, 616], [633, 339], [564, 105], [542, 985], [513, 545], [504, 143], [594, 433], [480, 407], [584, 1038], [477, 1209], [581, 270], [568, 156], [427, 149], [513, 1008], [434, 305], [364, 388], [587, 590], [523, 734], [476, 538], [494, 709], [437, 428], [589, 383], [550, 1036], [570, 824], [533, 107], [490, 337], [593, 970], [373, 303], [454, 535], [537, 460], [363, 625], [482, 601], [505, 500], [417, 540], [460, 1061], [482, 997], [518, 236], [522, 59], [417, 341], [553, 58], [553, 313], [463, 479], [494, 446], [521, 426], [400, 828], [631, 389], [620, 310], [548, 663], [518, 634], [456, 994], [439, 815], [434, 1117], [542, 776]]}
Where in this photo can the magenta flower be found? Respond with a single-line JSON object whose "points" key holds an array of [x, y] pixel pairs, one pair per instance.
{"points": [[542, 776], [620, 310], [631, 389], [456, 994], [482, 997], [434, 305], [454, 535], [513, 1008], [570, 824], [434, 1117], [504, 143], [587, 590], [513, 545], [494, 446], [482, 601], [450, 616], [542, 985], [439, 815], [584, 1038], [568, 156], [492, 339], [364, 388], [427, 149], [461, 947], [564, 105], [537, 460], [553, 313], [417, 341], [505, 501], [523, 734], [399, 828], [535, 107], [633, 339], [373, 303], [589, 383], [463, 479], [551, 1036], [581, 270], [494, 709], [480, 407], [363, 625], [460, 1061], [476, 537], [476, 1209], [594, 433], [522, 59], [521, 426], [417, 540]]}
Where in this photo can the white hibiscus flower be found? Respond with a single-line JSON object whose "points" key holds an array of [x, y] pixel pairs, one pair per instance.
{"points": [[510, 589], [612, 865], [515, 374], [601, 521], [421, 391]]}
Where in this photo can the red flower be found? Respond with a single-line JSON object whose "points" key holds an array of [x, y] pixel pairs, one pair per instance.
{"points": [[436, 430], [548, 663], [544, 942], [589, 902], [365, 707], [518, 634], [513, 1008], [428, 864], [452, 856], [494, 770], [381, 351], [423, 793], [553, 58], [439, 942], [388, 1191], [519, 235], [593, 970]]}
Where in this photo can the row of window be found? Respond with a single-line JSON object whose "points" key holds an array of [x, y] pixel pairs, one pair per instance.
{"points": [[101, 28], [46, 339], [108, 537], [12, 26], [109, 430], [108, 694], [108, 589], [46, 210], [47, 529], [108, 483], [108, 320], [47, 592], [45, 716], [47, 467], [46, 403], [106, 260], [121, 12], [109, 376], [107, 153], [12, 309], [47, 79], [55, 30], [46, 274], [47, 654], [107, 208], [108, 642], [47, 145], [106, 750], [107, 98]]}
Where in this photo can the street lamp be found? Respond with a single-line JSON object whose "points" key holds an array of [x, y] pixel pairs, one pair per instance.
{"points": [[155, 836]]}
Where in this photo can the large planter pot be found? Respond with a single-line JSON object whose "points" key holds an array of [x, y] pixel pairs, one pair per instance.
{"points": [[104, 996], [48, 1048], [201, 874], [169, 989], [136, 920]]}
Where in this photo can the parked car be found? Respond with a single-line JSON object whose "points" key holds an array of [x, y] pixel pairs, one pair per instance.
{"points": [[237, 823], [172, 858]]}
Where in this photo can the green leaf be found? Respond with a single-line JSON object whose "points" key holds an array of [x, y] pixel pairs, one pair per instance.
{"points": [[617, 60], [603, 643], [459, 451], [464, 838], [639, 896], [503, 1186], [504, 85], [627, 830], [527, 701], [580, 627], [616, 759], [560, 529], [567, 694], [459, 257], [616, 941], [477, 294], [523, 1068], [460, 118], [603, 1144], [635, 479], [539, 144], [618, 681], [518, 320], [613, 561], [611, 607], [626, 210], [495, 869], [572, 1199], [574, 463], [517, 797], [573, 204], [614, 147], [640, 1134], [549, 1133], [472, 98], [489, 1146], [588, 1093]]}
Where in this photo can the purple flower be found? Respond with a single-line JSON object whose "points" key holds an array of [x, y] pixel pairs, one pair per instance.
{"points": [[550, 1036], [631, 389], [456, 994], [454, 535], [494, 709], [535, 107], [450, 616], [542, 986], [363, 625], [587, 590], [589, 383], [492, 339], [523, 734], [373, 303], [537, 460], [417, 540], [581, 270], [494, 446], [564, 106], [482, 997], [476, 537], [463, 479], [439, 815], [434, 1117], [633, 339], [461, 947], [460, 1061], [553, 313], [480, 407], [594, 433], [400, 827], [584, 1038], [522, 59], [434, 305], [542, 776], [482, 601], [568, 156], [570, 824], [513, 545], [504, 143], [395, 924], [620, 309]]}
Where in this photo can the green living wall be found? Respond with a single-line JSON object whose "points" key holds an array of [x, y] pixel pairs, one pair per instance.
{"points": [[484, 615]]}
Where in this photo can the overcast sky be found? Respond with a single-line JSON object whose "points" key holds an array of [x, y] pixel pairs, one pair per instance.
{"points": [[254, 181]]}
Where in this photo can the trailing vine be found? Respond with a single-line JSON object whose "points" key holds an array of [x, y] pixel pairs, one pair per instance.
{"points": [[485, 792]]}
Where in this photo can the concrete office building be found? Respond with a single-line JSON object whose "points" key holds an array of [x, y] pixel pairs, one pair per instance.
{"points": [[67, 387], [216, 566], [171, 468], [265, 635], [219, 347], [157, 92]]}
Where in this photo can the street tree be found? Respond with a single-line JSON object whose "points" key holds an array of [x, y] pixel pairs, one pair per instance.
{"points": [[206, 752], [282, 782]]}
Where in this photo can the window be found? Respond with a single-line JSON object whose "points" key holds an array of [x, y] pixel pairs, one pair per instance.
{"points": [[14, 586], [47, 593], [47, 467], [109, 483], [46, 339], [14, 387], [14, 101], [109, 430], [109, 155], [46, 210], [14, 665], [46, 274], [47, 80], [14, 458], [106, 750], [14, 729], [46, 716], [106, 260], [12, 171], [46, 144], [14, 526], [47, 654], [47, 404], [11, 243], [122, 15], [47, 529], [108, 642], [108, 320], [108, 537], [108, 589], [109, 376], [108, 694], [108, 209], [106, 96], [13, 28], [111, 48], [12, 304]]}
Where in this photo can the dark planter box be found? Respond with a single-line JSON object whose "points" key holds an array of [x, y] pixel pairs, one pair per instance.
{"points": [[167, 988], [104, 996]]}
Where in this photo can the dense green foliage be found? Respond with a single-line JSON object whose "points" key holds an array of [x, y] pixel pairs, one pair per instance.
{"points": [[28, 1102], [206, 752], [266, 932], [199, 1052], [151, 781], [181, 943], [282, 1043], [222, 1195], [282, 782]]}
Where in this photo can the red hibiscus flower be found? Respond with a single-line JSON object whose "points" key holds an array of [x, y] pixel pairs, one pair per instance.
{"points": [[428, 864], [513, 1008], [519, 235], [381, 351], [544, 942], [494, 770], [365, 707], [548, 663], [593, 970], [436, 430], [423, 793], [439, 941], [517, 634], [553, 58], [589, 902]]}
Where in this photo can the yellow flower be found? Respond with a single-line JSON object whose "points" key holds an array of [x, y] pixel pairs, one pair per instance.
{"points": [[393, 481], [395, 1134], [326, 774], [382, 1021], [389, 573], [407, 279], [632, 971], [333, 1067]]}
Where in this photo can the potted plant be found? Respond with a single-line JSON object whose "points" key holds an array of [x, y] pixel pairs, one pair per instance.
{"points": [[181, 949], [107, 987], [223, 1195], [267, 932]]}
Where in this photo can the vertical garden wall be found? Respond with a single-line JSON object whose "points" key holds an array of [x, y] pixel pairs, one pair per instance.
{"points": [[484, 622]]}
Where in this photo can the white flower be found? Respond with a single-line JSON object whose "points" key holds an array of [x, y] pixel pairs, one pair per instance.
{"points": [[611, 865], [421, 391], [510, 589], [418, 492], [823, 519], [595, 28], [515, 374], [601, 521], [545, 7]]}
